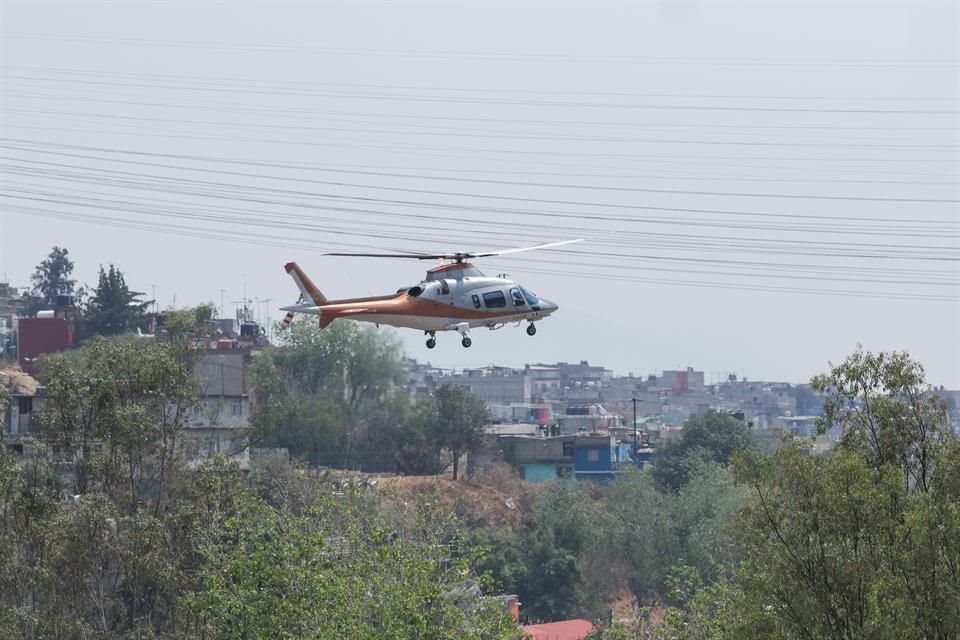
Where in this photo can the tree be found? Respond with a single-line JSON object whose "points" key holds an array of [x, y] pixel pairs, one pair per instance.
{"points": [[711, 438], [113, 309], [339, 570], [555, 542], [319, 392], [131, 396], [52, 277], [668, 536], [461, 417], [862, 541]]}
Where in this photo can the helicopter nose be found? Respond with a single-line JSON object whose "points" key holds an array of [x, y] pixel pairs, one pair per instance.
{"points": [[548, 307]]}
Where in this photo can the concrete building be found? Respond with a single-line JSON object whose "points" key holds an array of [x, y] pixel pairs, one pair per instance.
{"points": [[597, 456], [590, 418], [220, 424], [20, 419], [494, 385]]}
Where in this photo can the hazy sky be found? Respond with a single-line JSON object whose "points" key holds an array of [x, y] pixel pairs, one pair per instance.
{"points": [[762, 185]]}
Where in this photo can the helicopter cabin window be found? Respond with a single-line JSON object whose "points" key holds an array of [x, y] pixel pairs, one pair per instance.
{"points": [[444, 287], [476, 301], [530, 296], [517, 297], [494, 299]]}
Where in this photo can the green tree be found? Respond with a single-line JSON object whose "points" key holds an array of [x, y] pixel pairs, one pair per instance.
{"points": [[863, 541], [711, 438], [113, 308], [555, 542], [339, 570], [52, 278], [460, 419], [132, 398], [686, 536], [318, 392]]}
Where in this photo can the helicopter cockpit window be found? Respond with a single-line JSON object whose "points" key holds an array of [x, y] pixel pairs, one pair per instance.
{"points": [[444, 287], [494, 299], [476, 301], [518, 300], [531, 297]]}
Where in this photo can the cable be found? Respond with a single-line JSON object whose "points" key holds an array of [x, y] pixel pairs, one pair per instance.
{"points": [[503, 56], [602, 188]]}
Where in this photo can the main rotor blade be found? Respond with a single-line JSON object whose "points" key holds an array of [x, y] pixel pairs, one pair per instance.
{"points": [[412, 256], [459, 256], [546, 245]]}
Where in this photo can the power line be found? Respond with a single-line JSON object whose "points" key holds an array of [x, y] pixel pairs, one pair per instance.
{"points": [[453, 99], [274, 84], [484, 135], [491, 56], [601, 188]]}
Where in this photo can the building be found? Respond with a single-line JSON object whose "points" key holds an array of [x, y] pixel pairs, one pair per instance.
{"points": [[40, 336], [493, 385], [598, 456], [590, 417], [219, 425], [540, 459], [802, 426], [21, 415], [682, 381]]}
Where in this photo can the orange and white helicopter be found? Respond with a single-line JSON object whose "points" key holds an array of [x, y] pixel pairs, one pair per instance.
{"points": [[454, 296]]}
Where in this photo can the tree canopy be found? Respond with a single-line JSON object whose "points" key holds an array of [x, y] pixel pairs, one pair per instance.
{"points": [[52, 277], [319, 391], [113, 308], [708, 439]]}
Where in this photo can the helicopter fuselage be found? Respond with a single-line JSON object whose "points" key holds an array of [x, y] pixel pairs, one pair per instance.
{"points": [[453, 297]]}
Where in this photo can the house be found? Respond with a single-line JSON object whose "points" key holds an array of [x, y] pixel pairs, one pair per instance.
{"points": [[220, 424], [540, 459], [20, 417], [588, 417], [597, 456], [600, 457]]}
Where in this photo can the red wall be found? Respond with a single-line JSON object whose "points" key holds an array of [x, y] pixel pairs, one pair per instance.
{"points": [[37, 336]]}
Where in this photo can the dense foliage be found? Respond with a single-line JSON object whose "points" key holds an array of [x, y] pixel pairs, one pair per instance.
{"points": [[335, 397], [107, 531]]}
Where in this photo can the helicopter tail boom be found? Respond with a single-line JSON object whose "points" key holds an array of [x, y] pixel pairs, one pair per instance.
{"points": [[305, 284]]}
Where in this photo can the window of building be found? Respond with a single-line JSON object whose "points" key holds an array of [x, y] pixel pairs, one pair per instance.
{"points": [[476, 301], [518, 300], [568, 449], [25, 404], [236, 408], [494, 299], [593, 455]]}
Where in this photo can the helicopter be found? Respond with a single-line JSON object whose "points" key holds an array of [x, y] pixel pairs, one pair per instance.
{"points": [[454, 296]]}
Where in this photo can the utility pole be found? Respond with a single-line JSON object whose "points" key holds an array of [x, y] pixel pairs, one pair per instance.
{"points": [[636, 442], [222, 291], [266, 304]]}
